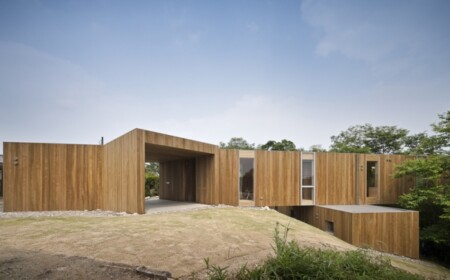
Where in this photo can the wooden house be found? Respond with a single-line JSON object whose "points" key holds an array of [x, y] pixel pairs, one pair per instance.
{"points": [[313, 187]]}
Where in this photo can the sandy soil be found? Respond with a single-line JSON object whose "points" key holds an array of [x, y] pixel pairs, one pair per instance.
{"points": [[176, 242]]}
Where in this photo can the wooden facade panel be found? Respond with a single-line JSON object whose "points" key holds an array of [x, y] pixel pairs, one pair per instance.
{"points": [[228, 177], [391, 188], [178, 143], [205, 177], [124, 179], [395, 233], [46, 177], [335, 178], [177, 180], [277, 178]]}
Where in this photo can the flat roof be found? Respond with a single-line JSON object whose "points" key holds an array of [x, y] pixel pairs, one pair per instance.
{"points": [[364, 208]]}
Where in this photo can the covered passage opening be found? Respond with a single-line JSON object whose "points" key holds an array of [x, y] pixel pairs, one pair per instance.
{"points": [[180, 172]]}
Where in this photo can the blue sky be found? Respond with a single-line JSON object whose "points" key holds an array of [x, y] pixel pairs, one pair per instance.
{"points": [[74, 71]]}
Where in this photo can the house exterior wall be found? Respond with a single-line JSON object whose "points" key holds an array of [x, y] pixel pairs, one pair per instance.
{"points": [[123, 173], [228, 173], [47, 177], [277, 178], [335, 178]]}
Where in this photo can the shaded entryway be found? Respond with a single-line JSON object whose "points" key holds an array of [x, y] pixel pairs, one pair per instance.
{"points": [[181, 173]]}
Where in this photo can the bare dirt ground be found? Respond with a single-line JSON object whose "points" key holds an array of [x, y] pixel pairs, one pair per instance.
{"points": [[66, 247]]}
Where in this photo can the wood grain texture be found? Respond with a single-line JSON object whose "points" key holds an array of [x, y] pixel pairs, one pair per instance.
{"points": [[228, 177], [392, 232], [177, 180], [277, 178], [335, 178], [124, 179], [51, 177], [205, 176], [389, 188]]}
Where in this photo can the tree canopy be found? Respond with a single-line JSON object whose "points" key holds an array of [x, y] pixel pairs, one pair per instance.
{"points": [[369, 139], [237, 143], [283, 145]]}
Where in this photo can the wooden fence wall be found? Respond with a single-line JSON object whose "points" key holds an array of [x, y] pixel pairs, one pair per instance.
{"points": [[124, 179], [277, 178], [46, 177]]}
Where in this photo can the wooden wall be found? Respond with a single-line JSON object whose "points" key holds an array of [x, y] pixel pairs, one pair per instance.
{"points": [[335, 178], [52, 177], [228, 177], [124, 173], [392, 232], [165, 140], [395, 233], [206, 180], [177, 180], [390, 188], [277, 178]]}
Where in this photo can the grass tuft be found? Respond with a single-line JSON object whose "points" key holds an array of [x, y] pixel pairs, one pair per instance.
{"points": [[292, 262]]}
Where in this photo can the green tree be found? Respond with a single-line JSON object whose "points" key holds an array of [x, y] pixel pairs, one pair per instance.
{"points": [[317, 148], [423, 144], [151, 179], [369, 139], [283, 145], [431, 197], [152, 167], [237, 143]]}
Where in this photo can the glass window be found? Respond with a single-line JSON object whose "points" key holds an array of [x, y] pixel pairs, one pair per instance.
{"points": [[372, 178], [246, 178], [307, 172]]}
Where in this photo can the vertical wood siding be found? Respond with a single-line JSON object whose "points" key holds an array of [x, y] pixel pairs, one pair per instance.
{"points": [[390, 188], [392, 232], [396, 233], [335, 178], [52, 177], [124, 179], [177, 180], [228, 177], [277, 178], [205, 176]]}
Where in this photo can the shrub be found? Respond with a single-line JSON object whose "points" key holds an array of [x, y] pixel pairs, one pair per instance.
{"points": [[151, 184]]}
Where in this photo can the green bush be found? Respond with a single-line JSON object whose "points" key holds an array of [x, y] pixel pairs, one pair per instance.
{"points": [[151, 184], [293, 262]]}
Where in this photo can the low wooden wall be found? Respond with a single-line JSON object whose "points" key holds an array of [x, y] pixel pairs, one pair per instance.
{"points": [[396, 233], [47, 177], [392, 232]]}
